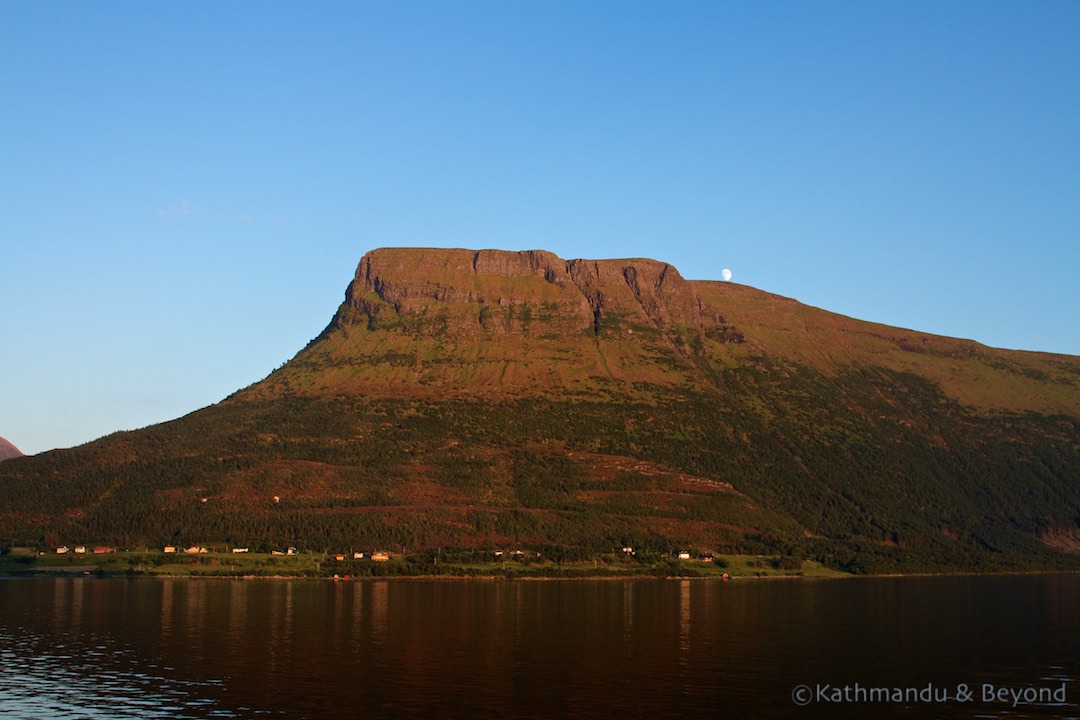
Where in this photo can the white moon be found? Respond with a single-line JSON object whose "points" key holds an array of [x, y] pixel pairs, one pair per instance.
{"points": [[725, 274]]}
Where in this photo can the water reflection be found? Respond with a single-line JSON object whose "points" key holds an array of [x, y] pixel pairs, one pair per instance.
{"points": [[684, 620], [65, 664], [91, 648]]}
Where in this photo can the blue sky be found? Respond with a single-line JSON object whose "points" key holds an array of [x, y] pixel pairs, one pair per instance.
{"points": [[186, 188]]}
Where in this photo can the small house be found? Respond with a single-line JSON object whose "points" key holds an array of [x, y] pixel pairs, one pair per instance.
{"points": [[358, 556], [684, 556], [103, 550], [380, 556], [62, 550], [170, 548], [239, 550], [80, 549]]}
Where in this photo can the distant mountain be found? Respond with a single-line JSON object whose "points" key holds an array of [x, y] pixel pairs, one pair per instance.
{"points": [[8, 451], [481, 399]]}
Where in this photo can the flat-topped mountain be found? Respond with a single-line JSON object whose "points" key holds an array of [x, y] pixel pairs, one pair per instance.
{"points": [[493, 399], [497, 323], [491, 323], [8, 451]]}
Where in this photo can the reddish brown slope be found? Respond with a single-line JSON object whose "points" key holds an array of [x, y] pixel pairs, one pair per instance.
{"points": [[489, 323], [8, 451]]}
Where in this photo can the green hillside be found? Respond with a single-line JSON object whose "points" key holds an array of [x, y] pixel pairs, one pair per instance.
{"points": [[464, 399]]}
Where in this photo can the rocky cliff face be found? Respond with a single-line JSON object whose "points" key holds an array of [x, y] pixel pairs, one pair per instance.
{"points": [[8, 451], [535, 283]]}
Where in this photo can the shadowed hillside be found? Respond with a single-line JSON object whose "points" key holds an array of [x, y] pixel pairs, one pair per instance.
{"points": [[482, 399]]}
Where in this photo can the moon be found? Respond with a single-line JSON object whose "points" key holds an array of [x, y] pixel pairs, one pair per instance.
{"points": [[725, 275]]}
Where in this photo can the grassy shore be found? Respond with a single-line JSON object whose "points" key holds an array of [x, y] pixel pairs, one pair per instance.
{"points": [[135, 563]]}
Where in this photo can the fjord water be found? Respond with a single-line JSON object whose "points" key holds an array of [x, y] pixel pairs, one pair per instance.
{"points": [[185, 648]]}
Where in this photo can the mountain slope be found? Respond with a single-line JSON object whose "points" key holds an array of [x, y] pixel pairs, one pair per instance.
{"points": [[8, 451], [495, 323], [485, 398]]}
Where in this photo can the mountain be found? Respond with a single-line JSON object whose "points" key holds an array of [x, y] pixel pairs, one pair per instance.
{"points": [[489, 399], [8, 451]]}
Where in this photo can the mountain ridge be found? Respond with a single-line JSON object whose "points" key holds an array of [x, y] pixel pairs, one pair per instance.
{"points": [[481, 294]]}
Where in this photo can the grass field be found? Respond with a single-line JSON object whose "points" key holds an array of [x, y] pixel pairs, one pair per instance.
{"points": [[26, 561]]}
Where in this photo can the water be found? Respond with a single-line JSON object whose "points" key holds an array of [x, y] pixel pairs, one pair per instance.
{"points": [[180, 648]]}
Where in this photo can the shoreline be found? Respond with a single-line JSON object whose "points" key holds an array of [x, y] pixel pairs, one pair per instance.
{"points": [[26, 562], [90, 572]]}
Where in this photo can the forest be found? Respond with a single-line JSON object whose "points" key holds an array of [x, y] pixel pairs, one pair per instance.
{"points": [[872, 471]]}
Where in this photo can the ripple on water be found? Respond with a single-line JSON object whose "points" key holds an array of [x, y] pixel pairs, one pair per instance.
{"points": [[59, 682]]}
